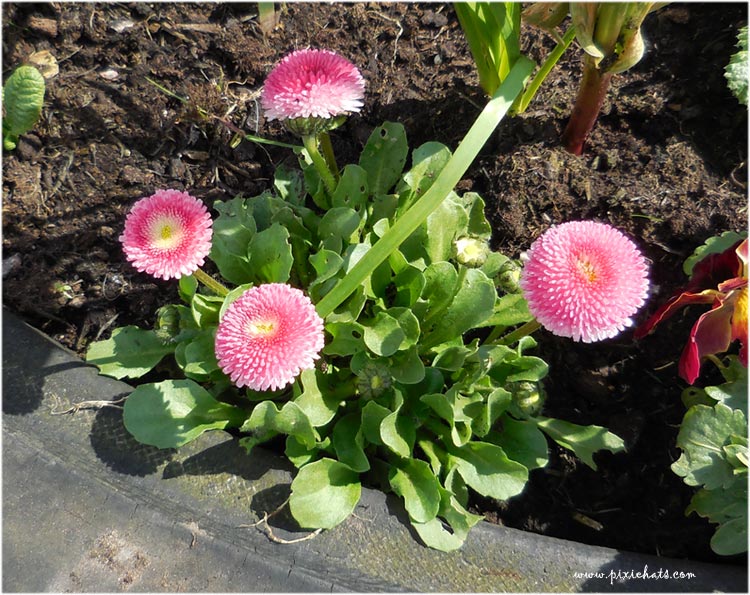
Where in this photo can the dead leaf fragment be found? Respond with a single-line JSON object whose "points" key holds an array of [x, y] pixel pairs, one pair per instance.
{"points": [[45, 63]]}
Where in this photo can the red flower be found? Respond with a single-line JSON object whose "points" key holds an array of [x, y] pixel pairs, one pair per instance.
{"points": [[720, 280]]}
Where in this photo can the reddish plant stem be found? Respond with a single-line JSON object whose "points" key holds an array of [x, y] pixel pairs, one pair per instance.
{"points": [[593, 89]]}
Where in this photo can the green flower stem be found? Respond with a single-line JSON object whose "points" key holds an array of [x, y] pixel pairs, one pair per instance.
{"points": [[522, 331], [327, 148], [311, 145], [211, 283], [524, 100], [451, 174]]}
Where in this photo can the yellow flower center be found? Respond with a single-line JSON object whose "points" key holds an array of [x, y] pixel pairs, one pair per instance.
{"points": [[165, 233], [261, 329], [587, 270]]}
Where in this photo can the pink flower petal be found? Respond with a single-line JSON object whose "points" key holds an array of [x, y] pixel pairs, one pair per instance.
{"points": [[167, 235], [312, 83], [584, 280], [267, 336]]}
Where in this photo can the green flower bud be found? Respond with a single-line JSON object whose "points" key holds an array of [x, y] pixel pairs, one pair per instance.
{"points": [[528, 399], [509, 276], [167, 325], [373, 380], [313, 125], [471, 252]]}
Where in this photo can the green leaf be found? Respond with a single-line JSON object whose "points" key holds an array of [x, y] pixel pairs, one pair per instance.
{"points": [[267, 420], [522, 441], [406, 367], [398, 433], [415, 482], [340, 222], [510, 309], [318, 406], [488, 470], [373, 415], [444, 225], [732, 393], [198, 357], [383, 334], [347, 338], [428, 160], [171, 413], [736, 72], [129, 353], [703, 433], [232, 231], [23, 97], [459, 520], [584, 441], [473, 304], [441, 279], [384, 156], [352, 191], [324, 494], [348, 443], [728, 508], [206, 309], [270, 255], [713, 245]]}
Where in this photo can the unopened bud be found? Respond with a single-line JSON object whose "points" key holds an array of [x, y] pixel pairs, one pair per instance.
{"points": [[471, 252], [528, 399], [509, 277]]}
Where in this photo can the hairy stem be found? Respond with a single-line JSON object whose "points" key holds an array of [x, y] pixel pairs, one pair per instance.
{"points": [[311, 145], [211, 283]]}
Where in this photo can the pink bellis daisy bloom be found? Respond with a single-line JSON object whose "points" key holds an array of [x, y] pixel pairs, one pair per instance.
{"points": [[267, 336], [167, 235], [312, 84], [719, 279], [584, 280]]}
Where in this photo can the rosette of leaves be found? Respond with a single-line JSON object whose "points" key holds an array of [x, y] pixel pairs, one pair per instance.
{"points": [[408, 396], [713, 440]]}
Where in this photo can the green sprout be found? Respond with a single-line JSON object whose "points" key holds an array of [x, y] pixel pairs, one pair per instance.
{"points": [[23, 97], [736, 71]]}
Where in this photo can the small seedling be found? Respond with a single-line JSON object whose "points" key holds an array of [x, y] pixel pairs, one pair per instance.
{"points": [[23, 97]]}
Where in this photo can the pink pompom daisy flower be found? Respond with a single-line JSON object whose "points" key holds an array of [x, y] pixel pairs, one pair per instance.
{"points": [[167, 235], [312, 84], [584, 280], [267, 336]]}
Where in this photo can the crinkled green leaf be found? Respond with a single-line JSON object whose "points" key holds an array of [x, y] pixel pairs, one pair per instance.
{"points": [[23, 98], [129, 353], [413, 480], [584, 441], [703, 433], [171, 413], [384, 156], [732, 393], [736, 72], [324, 494]]}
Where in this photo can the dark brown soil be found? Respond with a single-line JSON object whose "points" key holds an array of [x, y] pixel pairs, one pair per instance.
{"points": [[667, 164]]}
